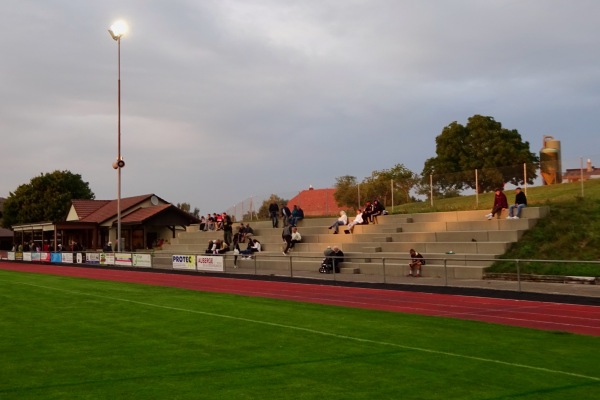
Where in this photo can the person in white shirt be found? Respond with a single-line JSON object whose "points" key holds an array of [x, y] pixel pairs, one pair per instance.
{"points": [[296, 237], [357, 220], [342, 220]]}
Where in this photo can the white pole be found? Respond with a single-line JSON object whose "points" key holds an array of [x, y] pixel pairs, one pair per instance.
{"points": [[476, 189], [525, 177], [392, 189], [581, 178], [431, 189]]}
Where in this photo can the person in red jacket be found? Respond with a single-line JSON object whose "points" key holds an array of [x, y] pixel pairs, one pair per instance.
{"points": [[500, 203]]}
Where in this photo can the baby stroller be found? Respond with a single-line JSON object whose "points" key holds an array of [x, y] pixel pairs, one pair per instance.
{"points": [[327, 266]]}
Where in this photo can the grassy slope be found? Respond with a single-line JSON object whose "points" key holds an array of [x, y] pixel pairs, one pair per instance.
{"points": [[571, 232]]}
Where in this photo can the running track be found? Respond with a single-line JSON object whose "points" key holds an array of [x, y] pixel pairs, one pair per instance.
{"points": [[581, 319]]}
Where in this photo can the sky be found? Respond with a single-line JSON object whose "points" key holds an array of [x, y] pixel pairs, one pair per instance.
{"points": [[226, 100]]}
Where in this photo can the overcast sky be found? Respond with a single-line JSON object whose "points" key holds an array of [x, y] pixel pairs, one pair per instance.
{"points": [[227, 99]]}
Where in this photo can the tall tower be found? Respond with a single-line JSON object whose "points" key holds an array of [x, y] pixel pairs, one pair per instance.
{"points": [[551, 161]]}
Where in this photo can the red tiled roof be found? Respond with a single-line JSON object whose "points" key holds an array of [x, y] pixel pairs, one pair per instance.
{"points": [[108, 208], [83, 208], [143, 214], [316, 202]]}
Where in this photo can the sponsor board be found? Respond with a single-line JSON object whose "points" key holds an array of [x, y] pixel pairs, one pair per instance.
{"points": [[45, 256], [107, 258], [11, 256], [123, 259], [3, 255], [26, 256], [56, 257], [210, 263], [142, 260], [184, 262], [67, 258], [92, 258]]}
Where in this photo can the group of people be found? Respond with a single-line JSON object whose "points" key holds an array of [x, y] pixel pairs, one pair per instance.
{"points": [[288, 217], [215, 222], [364, 216], [46, 246], [501, 203]]}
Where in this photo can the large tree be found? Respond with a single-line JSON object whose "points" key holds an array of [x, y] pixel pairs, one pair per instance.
{"points": [[346, 191], [45, 198], [497, 153]]}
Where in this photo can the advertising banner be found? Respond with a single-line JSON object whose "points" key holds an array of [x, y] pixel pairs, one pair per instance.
{"points": [[184, 262], [3, 255], [142, 260], [12, 256], [107, 258], [35, 256], [210, 263], [123, 259], [26, 256], [56, 257], [45, 256], [80, 258], [92, 258], [67, 258]]}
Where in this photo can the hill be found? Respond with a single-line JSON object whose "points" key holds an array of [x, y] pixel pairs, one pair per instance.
{"points": [[570, 232]]}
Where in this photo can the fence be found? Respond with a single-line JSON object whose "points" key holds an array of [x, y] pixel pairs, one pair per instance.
{"points": [[390, 270], [436, 186]]}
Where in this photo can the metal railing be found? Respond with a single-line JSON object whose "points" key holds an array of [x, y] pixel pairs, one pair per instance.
{"points": [[453, 271]]}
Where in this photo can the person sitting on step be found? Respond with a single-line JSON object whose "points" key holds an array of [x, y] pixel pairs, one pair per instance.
{"points": [[357, 220]]}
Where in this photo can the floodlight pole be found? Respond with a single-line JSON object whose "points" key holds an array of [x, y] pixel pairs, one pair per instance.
{"points": [[116, 31]]}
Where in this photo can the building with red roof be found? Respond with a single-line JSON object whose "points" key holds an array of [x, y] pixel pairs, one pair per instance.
{"points": [[146, 221], [316, 202]]}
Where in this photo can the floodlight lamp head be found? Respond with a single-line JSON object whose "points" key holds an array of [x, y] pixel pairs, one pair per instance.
{"points": [[118, 29]]}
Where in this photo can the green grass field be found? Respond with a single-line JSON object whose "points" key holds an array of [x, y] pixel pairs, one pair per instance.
{"points": [[67, 338]]}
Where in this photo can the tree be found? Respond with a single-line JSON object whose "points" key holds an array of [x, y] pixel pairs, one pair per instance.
{"points": [[46, 198], [346, 191], [397, 181], [263, 211], [188, 209], [497, 153]]}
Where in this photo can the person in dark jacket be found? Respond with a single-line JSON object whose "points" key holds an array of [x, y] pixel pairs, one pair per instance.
{"points": [[273, 211], [500, 203], [333, 258], [520, 204]]}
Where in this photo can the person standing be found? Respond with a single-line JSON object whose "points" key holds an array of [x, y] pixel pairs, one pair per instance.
{"points": [[286, 235], [500, 203], [520, 204], [227, 228], [273, 211], [285, 214]]}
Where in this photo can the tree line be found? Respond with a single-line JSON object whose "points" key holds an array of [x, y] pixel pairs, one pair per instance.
{"points": [[482, 144]]}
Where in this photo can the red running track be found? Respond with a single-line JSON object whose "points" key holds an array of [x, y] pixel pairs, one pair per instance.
{"points": [[581, 319]]}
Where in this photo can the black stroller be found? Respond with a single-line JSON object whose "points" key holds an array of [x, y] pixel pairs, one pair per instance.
{"points": [[332, 261]]}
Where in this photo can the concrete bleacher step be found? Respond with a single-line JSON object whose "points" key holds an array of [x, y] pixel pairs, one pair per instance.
{"points": [[473, 241]]}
